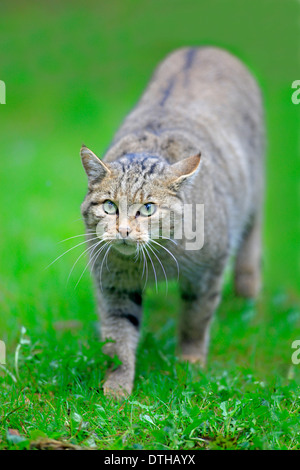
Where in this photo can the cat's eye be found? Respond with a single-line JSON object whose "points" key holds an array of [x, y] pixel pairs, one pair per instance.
{"points": [[110, 207], [147, 209]]}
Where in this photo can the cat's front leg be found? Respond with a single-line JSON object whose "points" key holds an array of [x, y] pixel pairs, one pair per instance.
{"points": [[120, 316]]}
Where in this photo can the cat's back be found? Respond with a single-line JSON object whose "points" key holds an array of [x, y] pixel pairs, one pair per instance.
{"points": [[204, 77], [200, 86]]}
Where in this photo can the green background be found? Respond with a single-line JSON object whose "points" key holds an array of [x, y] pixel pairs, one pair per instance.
{"points": [[72, 72]]}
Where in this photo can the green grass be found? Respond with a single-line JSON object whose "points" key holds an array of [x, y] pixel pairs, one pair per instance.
{"points": [[71, 75], [246, 399]]}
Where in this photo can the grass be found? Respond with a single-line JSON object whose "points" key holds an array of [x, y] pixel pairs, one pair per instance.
{"points": [[71, 74], [246, 399]]}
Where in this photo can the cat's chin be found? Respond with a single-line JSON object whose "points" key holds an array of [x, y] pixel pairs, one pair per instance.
{"points": [[125, 248]]}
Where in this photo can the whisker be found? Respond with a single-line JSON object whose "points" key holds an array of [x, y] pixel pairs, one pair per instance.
{"points": [[91, 249], [92, 256], [145, 267], [170, 239], [137, 254], [154, 272], [144, 261], [104, 258], [70, 249], [95, 257], [171, 254], [162, 267], [140, 254], [106, 262], [76, 236]]}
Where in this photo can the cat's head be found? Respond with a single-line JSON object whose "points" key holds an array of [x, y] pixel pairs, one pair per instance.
{"points": [[134, 199]]}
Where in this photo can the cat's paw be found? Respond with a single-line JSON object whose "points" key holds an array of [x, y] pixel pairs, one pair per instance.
{"points": [[193, 352], [194, 359], [117, 386], [248, 283]]}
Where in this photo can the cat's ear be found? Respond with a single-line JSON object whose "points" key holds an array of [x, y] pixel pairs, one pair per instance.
{"points": [[183, 170], [95, 169]]}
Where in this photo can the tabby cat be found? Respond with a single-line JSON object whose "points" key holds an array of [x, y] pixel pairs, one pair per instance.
{"points": [[194, 139]]}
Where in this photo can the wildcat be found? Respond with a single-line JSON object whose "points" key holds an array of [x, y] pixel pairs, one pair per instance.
{"points": [[196, 136]]}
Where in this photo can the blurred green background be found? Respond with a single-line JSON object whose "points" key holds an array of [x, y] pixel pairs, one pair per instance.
{"points": [[72, 72]]}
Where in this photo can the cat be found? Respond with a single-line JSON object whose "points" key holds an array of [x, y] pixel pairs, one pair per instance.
{"points": [[195, 138]]}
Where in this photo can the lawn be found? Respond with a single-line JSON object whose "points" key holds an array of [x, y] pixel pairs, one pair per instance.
{"points": [[71, 74]]}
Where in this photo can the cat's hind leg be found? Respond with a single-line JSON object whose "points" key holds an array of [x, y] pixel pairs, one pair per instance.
{"points": [[198, 306], [247, 269]]}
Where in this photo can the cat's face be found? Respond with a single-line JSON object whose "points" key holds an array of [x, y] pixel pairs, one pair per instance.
{"points": [[133, 200]]}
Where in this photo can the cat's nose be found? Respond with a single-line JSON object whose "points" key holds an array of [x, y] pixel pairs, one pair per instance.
{"points": [[124, 231]]}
